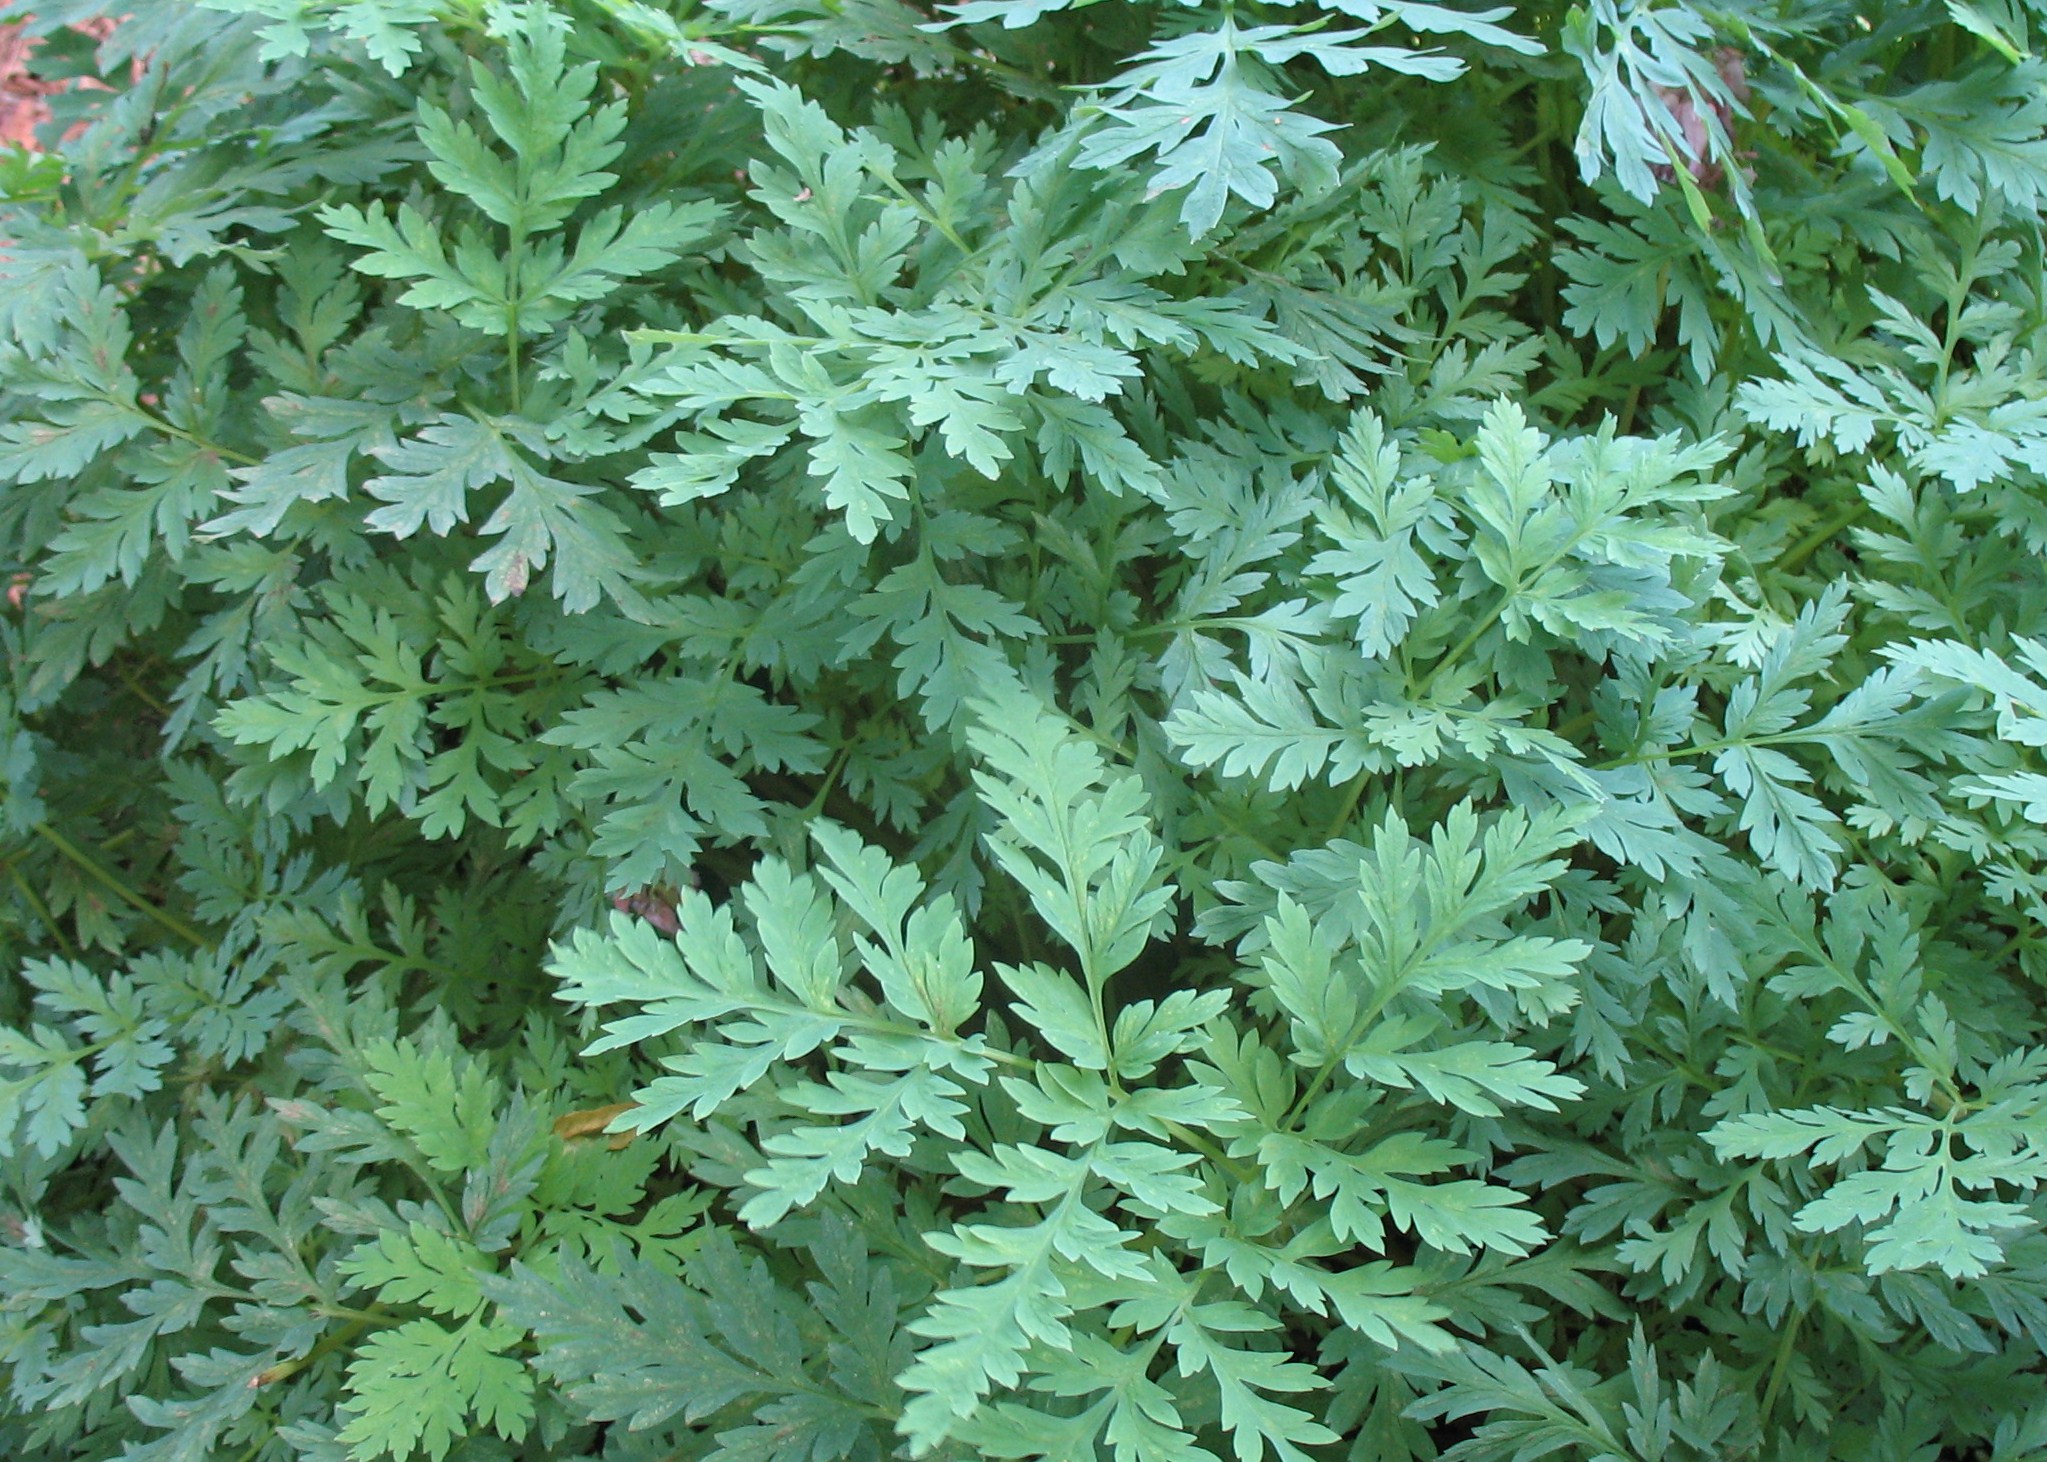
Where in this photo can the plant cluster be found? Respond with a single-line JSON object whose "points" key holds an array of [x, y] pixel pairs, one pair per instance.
{"points": [[789, 730]]}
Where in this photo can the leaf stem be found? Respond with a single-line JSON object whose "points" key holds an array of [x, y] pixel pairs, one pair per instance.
{"points": [[1820, 537], [127, 678], [1478, 631], [333, 1340], [42, 910], [117, 887], [164, 425], [1780, 1368]]}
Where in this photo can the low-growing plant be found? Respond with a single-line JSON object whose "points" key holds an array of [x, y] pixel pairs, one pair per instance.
{"points": [[783, 730]]}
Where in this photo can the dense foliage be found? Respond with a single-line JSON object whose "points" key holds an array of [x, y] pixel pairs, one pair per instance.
{"points": [[807, 729]]}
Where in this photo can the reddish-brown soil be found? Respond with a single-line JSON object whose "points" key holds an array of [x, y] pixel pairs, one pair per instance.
{"points": [[22, 109]]}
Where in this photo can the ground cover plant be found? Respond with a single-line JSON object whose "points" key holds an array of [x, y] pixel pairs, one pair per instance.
{"points": [[800, 729]]}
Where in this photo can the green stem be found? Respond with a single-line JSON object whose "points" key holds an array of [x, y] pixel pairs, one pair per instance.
{"points": [[1795, 737], [1628, 409], [1239, 1172], [142, 694], [1780, 1368], [889, 180], [360, 1317], [115, 886], [1352, 795], [399, 962], [153, 126], [1577, 726], [332, 1341], [512, 370], [1820, 537], [35, 901], [1351, 1037], [1356, 789], [514, 263], [158, 423], [829, 782]]}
